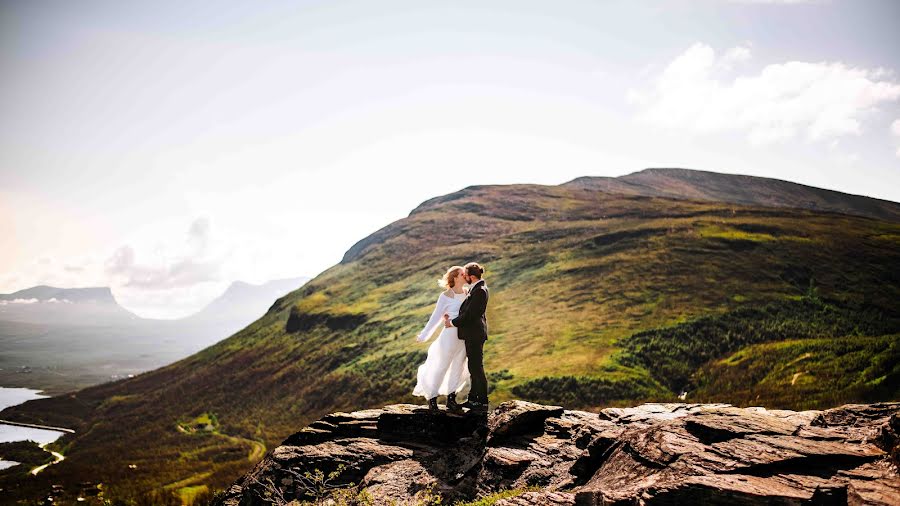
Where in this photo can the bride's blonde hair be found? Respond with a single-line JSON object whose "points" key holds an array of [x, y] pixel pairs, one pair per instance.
{"points": [[449, 279]]}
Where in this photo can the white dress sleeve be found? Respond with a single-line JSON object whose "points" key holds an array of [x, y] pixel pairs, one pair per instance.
{"points": [[436, 319]]}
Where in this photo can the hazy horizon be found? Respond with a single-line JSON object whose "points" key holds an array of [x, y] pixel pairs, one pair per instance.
{"points": [[167, 149]]}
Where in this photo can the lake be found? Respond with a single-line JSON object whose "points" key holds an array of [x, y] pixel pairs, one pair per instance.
{"points": [[8, 433], [12, 396]]}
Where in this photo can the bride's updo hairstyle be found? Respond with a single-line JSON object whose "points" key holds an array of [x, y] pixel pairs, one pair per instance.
{"points": [[449, 279]]}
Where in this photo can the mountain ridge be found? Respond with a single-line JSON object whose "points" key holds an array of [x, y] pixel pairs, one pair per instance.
{"points": [[587, 287], [709, 186], [739, 189], [70, 306], [101, 294]]}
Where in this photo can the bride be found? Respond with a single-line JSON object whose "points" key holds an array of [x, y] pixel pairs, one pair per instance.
{"points": [[445, 371]]}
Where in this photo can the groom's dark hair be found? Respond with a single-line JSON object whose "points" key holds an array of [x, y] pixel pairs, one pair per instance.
{"points": [[473, 269]]}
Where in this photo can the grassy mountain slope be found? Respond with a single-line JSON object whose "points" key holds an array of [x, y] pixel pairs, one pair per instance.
{"points": [[589, 289]]}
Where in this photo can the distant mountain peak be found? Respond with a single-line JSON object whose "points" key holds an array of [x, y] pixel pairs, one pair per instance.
{"points": [[45, 293], [242, 299], [239, 286], [64, 306]]}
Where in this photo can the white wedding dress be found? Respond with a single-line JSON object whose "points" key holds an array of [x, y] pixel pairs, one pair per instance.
{"points": [[446, 369]]}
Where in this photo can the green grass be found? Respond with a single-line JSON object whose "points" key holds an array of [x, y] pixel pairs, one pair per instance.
{"points": [[673, 354], [491, 499], [204, 422], [591, 391], [805, 373], [189, 495]]}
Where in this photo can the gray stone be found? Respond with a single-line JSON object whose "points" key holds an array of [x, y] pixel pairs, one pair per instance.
{"points": [[645, 455]]}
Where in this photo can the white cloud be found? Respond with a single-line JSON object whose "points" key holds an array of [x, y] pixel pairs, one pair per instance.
{"points": [[181, 272], [198, 235], [185, 270], [734, 56], [171, 278], [777, 2], [815, 101], [895, 131], [18, 301]]}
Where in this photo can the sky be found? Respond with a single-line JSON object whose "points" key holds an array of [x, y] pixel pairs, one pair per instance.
{"points": [[165, 149]]}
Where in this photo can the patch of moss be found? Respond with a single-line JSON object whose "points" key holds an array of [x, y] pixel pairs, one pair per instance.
{"points": [[805, 373], [587, 391], [493, 498], [673, 354]]}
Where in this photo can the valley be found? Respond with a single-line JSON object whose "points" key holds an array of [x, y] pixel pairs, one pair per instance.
{"points": [[59, 340]]}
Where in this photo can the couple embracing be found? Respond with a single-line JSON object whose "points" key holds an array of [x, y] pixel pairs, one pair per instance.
{"points": [[456, 357]]}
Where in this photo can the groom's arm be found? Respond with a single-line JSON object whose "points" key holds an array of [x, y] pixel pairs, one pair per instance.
{"points": [[474, 309]]}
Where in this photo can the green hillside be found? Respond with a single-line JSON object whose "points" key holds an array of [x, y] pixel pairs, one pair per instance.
{"points": [[597, 299]]}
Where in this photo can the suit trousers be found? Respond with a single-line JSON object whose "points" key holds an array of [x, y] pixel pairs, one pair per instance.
{"points": [[475, 352]]}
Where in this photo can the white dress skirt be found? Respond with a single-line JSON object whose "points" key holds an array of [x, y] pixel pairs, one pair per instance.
{"points": [[446, 370]]}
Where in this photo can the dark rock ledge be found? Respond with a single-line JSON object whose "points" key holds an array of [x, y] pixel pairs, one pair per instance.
{"points": [[650, 454]]}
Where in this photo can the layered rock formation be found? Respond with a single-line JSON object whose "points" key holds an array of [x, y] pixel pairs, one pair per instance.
{"points": [[650, 454]]}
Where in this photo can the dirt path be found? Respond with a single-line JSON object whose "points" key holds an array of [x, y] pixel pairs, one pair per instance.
{"points": [[257, 451], [58, 456]]}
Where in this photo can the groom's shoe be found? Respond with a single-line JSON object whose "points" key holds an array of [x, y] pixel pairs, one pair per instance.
{"points": [[432, 405], [452, 405]]}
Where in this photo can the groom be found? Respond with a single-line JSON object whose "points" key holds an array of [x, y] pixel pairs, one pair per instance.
{"points": [[472, 325]]}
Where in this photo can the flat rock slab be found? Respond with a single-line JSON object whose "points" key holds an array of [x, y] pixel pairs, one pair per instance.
{"points": [[646, 455]]}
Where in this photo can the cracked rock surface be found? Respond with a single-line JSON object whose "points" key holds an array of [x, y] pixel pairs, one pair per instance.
{"points": [[646, 455]]}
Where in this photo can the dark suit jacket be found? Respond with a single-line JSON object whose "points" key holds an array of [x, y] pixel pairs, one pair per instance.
{"points": [[471, 322]]}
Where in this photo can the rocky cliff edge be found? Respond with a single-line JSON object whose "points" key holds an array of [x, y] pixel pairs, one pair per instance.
{"points": [[647, 455]]}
